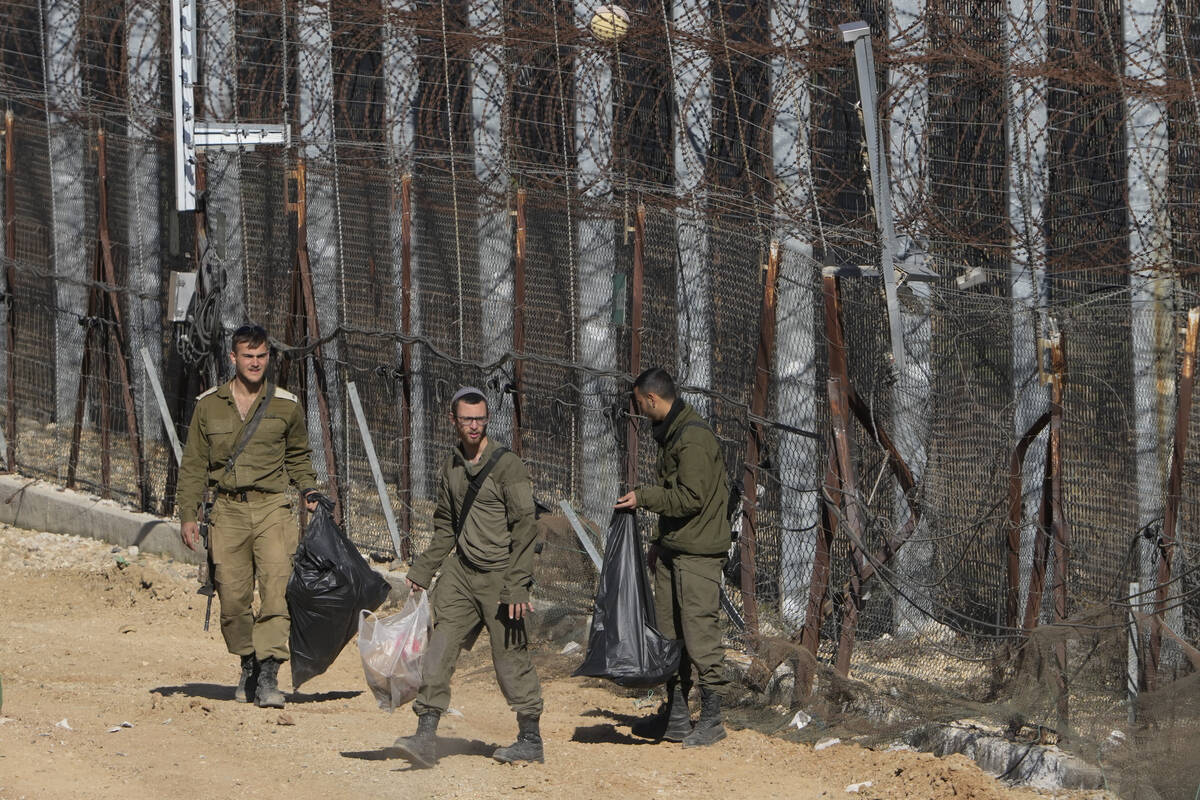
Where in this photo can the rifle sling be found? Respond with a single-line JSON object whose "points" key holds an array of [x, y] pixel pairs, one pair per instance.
{"points": [[249, 429]]}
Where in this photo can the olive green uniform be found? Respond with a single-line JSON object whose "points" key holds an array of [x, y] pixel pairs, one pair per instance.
{"points": [[252, 532], [690, 498], [490, 568]]}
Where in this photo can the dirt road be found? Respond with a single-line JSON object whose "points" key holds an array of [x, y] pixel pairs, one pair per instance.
{"points": [[111, 690]]}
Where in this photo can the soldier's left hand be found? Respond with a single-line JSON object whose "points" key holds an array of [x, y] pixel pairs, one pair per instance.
{"points": [[626, 502], [310, 504], [517, 611]]}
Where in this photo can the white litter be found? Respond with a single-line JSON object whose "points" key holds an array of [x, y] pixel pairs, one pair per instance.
{"points": [[854, 787], [821, 745], [570, 647], [800, 720], [62, 723], [453, 712]]}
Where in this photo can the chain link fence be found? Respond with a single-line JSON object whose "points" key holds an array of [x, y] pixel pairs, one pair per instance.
{"points": [[1000, 532]]}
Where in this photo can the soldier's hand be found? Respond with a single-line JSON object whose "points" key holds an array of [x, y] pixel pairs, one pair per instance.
{"points": [[517, 611], [412, 587], [310, 501], [626, 502], [190, 533]]}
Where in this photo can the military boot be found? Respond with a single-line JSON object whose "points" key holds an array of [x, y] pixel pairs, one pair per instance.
{"points": [[267, 694], [421, 747], [244, 693], [709, 729], [671, 722], [527, 747]]}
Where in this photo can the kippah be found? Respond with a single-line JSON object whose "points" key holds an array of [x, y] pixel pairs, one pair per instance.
{"points": [[463, 392]]}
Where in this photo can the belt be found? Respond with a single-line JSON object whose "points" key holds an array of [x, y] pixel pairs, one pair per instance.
{"points": [[243, 495]]}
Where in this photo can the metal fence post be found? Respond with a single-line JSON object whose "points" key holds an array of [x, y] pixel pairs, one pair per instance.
{"points": [[312, 333], [406, 443], [635, 343], [1183, 413], [10, 273], [758, 409], [518, 321]]}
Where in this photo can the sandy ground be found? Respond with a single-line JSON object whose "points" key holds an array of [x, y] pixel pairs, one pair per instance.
{"points": [[112, 690]]}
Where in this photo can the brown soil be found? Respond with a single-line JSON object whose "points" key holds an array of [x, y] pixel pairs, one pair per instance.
{"points": [[92, 644]]}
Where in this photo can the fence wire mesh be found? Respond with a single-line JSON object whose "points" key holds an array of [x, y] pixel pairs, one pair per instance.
{"points": [[483, 192]]}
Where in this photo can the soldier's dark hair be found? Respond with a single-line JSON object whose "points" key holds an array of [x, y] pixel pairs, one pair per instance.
{"points": [[656, 380], [251, 335]]}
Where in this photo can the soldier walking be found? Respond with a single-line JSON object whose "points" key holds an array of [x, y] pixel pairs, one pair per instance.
{"points": [[686, 556], [253, 535], [485, 514]]}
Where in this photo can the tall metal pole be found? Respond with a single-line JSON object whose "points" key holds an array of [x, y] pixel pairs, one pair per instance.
{"points": [[519, 322], [406, 443], [635, 343], [10, 278]]}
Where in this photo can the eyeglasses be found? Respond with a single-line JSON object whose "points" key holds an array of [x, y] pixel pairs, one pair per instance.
{"points": [[472, 422]]}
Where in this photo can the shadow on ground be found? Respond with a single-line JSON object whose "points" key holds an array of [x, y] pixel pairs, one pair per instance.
{"points": [[208, 691], [214, 691], [297, 698], [447, 746], [605, 734]]}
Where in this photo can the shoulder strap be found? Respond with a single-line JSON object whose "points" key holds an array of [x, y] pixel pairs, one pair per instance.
{"points": [[250, 427], [473, 487]]}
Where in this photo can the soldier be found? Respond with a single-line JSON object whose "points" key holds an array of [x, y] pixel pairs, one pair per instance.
{"points": [[485, 512], [252, 533], [686, 556]]}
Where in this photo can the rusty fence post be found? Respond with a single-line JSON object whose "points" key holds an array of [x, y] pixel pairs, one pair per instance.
{"points": [[1015, 509], [406, 443], [1058, 523], [1183, 412], [818, 588], [518, 322], [312, 331], [635, 342], [10, 274], [839, 408], [104, 316], [747, 542]]}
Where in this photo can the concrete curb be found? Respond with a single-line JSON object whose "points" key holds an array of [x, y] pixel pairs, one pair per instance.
{"points": [[35, 505]]}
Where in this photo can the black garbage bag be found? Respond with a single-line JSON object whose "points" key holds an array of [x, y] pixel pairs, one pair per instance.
{"points": [[624, 645], [330, 585]]}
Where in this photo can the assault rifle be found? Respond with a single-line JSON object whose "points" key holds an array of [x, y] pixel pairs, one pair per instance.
{"points": [[208, 586]]}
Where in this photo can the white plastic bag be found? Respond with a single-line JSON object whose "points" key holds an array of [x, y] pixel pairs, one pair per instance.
{"points": [[392, 649]]}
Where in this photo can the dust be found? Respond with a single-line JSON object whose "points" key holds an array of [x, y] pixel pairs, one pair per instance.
{"points": [[116, 653]]}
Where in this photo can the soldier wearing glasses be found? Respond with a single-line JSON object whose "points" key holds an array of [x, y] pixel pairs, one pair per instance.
{"points": [[483, 583]]}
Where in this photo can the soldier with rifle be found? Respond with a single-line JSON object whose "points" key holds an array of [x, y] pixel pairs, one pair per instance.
{"points": [[247, 441]]}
